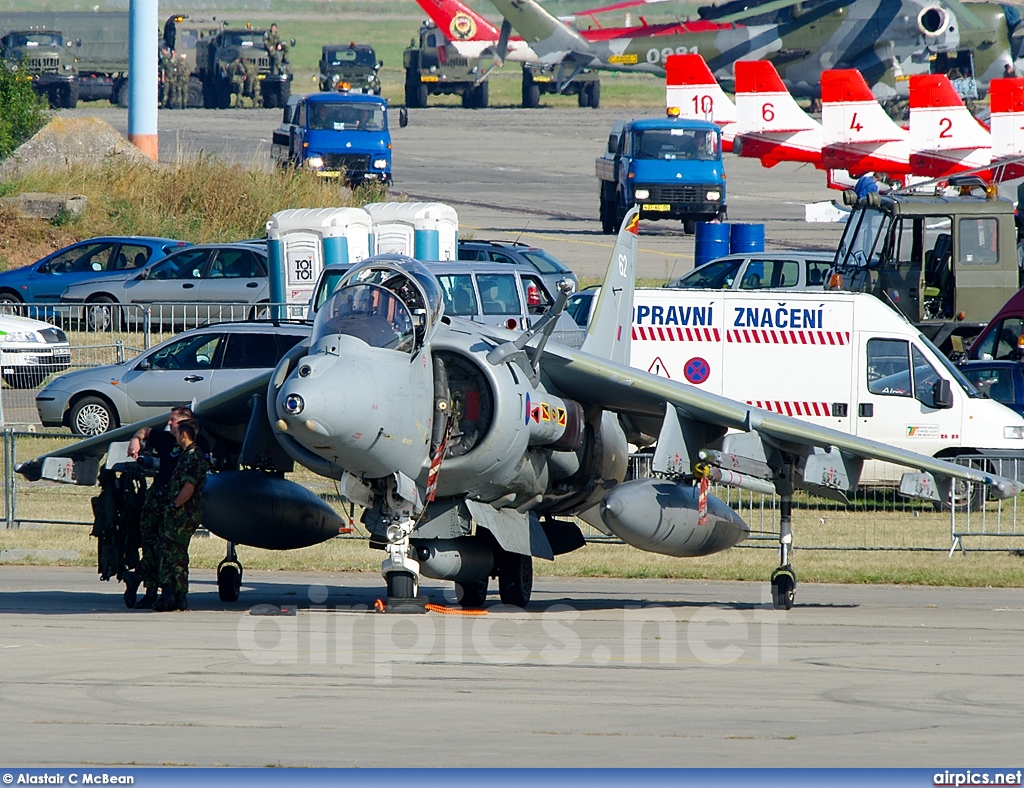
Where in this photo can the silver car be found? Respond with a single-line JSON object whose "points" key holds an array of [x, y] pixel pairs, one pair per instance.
{"points": [[191, 366], [207, 282], [786, 270]]}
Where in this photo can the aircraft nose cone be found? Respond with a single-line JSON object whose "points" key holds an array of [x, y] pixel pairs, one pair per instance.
{"points": [[326, 398]]}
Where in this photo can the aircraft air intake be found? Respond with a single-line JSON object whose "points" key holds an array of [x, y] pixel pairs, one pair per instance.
{"points": [[933, 21]]}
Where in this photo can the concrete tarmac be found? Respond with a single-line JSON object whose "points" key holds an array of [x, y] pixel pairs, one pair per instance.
{"points": [[629, 673]]}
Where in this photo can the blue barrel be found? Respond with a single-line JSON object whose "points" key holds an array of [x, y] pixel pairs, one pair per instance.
{"points": [[710, 241], [746, 238]]}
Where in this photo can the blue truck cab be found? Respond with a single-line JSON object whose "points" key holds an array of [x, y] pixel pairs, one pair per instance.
{"points": [[337, 135], [671, 167]]}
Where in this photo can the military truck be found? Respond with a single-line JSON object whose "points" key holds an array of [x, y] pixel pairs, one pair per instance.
{"points": [[434, 68], [948, 263], [215, 53], [182, 34], [44, 57], [538, 79], [352, 64]]}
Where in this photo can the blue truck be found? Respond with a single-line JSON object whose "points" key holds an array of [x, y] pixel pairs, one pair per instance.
{"points": [[336, 135], [671, 167]]}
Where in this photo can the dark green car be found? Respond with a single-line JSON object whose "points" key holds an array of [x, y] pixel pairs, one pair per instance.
{"points": [[355, 64]]}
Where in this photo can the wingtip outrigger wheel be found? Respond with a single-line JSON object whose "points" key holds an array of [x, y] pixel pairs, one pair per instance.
{"points": [[229, 576], [783, 587], [784, 578]]}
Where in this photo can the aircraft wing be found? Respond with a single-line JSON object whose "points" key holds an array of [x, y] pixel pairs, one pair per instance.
{"points": [[644, 397], [223, 413]]}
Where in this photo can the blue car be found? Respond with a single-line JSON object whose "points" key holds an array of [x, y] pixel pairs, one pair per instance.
{"points": [[1003, 381], [45, 280]]}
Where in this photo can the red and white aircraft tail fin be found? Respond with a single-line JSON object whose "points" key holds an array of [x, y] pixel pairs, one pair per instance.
{"points": [[1006, 97], [858, 134], [690, 86], [772, 125], [459, 22], [944, 136]]}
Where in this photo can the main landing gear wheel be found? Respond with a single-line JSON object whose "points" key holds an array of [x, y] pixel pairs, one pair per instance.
{"points": [[472, 595], [229, 576], [515, 579], [783, 588]]}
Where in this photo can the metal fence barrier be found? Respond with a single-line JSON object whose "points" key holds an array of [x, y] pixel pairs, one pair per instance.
{"points": [[876, 519]]}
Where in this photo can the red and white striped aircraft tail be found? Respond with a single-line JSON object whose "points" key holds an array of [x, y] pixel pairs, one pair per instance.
{"points": [[1006, 97], [858, 134], [690, 86], [945, 138], [770, 125]]}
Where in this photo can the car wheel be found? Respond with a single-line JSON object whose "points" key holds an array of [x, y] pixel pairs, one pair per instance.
{"points": [[101, 314], [92, 416], [8, 300]]}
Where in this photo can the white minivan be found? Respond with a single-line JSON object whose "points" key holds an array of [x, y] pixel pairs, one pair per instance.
{"points": [[838, 359]]}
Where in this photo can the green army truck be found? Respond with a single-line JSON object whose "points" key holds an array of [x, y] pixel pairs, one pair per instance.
{"points": [[353, 64], [215, 53], [948, 263], [44, 57], [182, 34], [538, 80], [433, 68]]}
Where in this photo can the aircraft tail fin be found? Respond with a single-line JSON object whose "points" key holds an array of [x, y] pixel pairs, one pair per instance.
{"points": [[1006, 98], [850, 114], [939, 121], [611, 322], [459, 22], [690, 86], [764, 104]]}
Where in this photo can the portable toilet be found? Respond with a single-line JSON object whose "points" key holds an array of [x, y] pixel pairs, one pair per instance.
{"points": [[424, 230], [300, 241]]}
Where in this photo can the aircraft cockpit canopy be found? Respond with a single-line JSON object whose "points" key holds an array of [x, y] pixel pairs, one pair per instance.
{"points": [[389, 301]]}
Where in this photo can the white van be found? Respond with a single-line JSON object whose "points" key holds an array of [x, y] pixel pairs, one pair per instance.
{"points": [[842, 360]]}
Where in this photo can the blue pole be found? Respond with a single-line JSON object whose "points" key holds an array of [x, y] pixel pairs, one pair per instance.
{"points": [[143, 24]]}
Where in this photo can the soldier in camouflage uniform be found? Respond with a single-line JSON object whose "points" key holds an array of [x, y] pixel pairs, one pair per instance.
{"points": [[181, 75], [276, 49], [184, 511], [252, 83], [166, 76], [236, 73], [165, 444]]}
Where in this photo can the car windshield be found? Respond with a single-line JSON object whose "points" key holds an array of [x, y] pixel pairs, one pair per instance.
{"points": [[369, 312], [333, 116], [676, 144], [244, 40], [578, 308], [352, 56], [544, 262], [719, 274]]}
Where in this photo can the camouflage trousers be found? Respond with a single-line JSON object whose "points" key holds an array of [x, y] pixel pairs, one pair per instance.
{"points": [[237, 90], [179, 525], [151, 526]]}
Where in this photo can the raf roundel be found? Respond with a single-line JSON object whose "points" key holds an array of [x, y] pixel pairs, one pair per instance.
{"points": [[696, 370]]}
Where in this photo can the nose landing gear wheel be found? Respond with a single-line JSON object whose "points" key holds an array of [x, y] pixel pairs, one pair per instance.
{"points": [[783, 588], [401, 585]]}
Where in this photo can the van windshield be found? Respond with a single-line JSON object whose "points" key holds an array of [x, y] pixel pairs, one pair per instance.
{"points": [[859, 246]]}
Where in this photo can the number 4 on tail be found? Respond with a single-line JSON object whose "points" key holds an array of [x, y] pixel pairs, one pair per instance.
{"points": [[854, 125]]}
